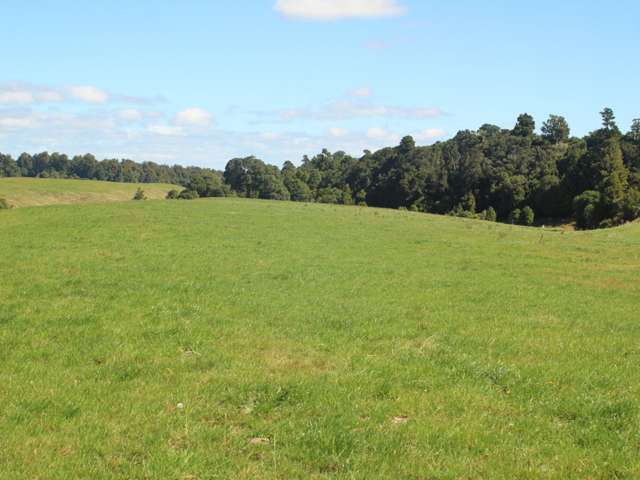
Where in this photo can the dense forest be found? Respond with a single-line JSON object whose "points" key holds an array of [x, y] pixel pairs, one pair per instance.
{"points": [[516, 175]]}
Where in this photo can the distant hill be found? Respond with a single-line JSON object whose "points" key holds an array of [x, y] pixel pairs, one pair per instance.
{"points": [[29, 192]]}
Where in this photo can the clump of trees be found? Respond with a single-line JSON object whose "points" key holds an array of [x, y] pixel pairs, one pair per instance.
{"points": [[511, 175], [4, 205], [59, 165]]}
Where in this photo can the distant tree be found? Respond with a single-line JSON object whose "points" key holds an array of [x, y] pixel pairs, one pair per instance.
{"points": [[515, 216], [347, 196], [188, 195], [139, 195], [587, 209], [84, 166], [298, 190], [4, 205], [25, 164], [172, 195], [613, 177], [635, 130], [556, 129], [527, 216], [490, 215], [631, 208], [609, 120], [329, 195], [208, 185], [8, 166], [525, 126]]}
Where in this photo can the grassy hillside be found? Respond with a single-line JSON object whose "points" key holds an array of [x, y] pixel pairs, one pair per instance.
{"points": [[27, 192], [247, 339]]}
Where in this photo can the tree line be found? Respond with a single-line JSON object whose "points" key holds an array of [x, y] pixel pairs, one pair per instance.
{"points": [[512, 175]]}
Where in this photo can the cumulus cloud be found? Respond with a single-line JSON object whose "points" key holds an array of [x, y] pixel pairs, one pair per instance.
{"points": [[324, 10], [22, 94], [87, 93], [429, 134], [194, 116]]}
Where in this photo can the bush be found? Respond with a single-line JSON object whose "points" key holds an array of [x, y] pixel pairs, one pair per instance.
{"points": [[139, 195], [588, 210], [188, 195], [632, 205], [527, 216], [4, 205], [514, 217], [329, 195], [172, 195], [490, 215]]}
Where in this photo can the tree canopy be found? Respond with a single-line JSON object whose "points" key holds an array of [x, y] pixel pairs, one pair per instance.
{"points": [[492, 173]]}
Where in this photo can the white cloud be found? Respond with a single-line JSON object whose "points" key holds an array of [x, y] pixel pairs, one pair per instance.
{"points": [[270, 136], [130, 115], [339, 9], [429, 134], [20, 93], [338, 132], [47, 96], [361, 92], [17, 122], [165, 130], [87, 93], [16, 96], [348, 109], [376, 133], [194, 116]]}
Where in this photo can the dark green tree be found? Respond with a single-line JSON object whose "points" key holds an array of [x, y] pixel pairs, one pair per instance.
{"points": [[8, 166], [527, 216], [613, 177], [609, 120], [556, 129], [635, 130], [587, 209], [525, 126]]}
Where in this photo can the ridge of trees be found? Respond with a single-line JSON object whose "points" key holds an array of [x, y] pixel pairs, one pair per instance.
{"points": [[512, 175]]}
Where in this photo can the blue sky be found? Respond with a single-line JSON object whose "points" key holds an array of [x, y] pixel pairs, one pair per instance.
{"points": [[200, 82]]}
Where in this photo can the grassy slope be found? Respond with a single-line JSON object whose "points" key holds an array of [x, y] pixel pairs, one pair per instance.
{"points": [[310, 341], [26, 192]]}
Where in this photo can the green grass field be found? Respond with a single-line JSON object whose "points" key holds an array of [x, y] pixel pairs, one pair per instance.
{"points": [[27, 192], [239, 339]]}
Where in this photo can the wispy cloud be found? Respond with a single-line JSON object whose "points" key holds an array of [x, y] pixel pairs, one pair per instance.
{"points": [[323, 10], [165, 130], [377, 45], [194, 116], [87, 93], [349, 109], [361, 92], [28, 94]]}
